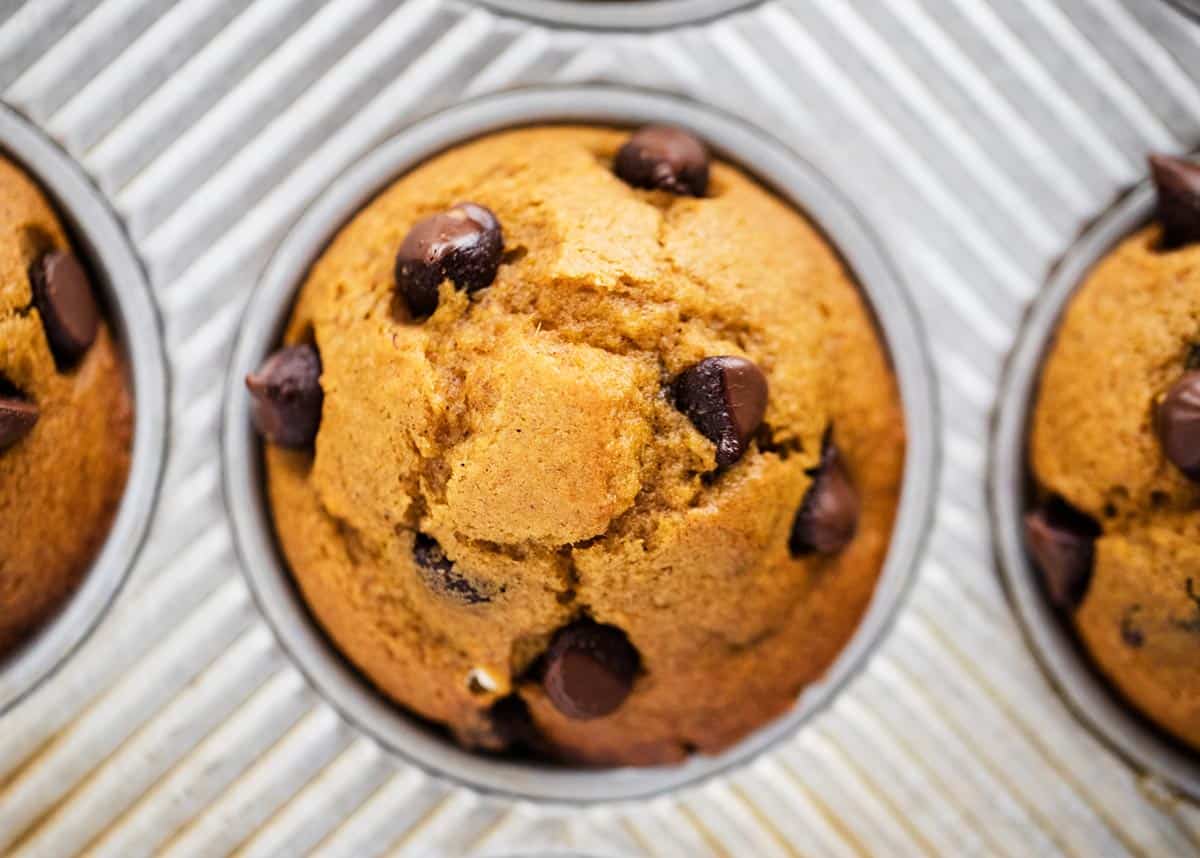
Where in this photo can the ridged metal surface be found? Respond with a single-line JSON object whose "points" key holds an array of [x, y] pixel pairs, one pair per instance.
{"points": [[978, 136]]}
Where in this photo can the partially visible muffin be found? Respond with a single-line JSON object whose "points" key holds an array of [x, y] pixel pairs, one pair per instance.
{"points": [[1115, 453], [65, 414], [601, 464]]}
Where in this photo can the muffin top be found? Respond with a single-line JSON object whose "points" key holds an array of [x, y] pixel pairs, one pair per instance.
{"points": [[65, 413], [617, 479], [1114, 440]]}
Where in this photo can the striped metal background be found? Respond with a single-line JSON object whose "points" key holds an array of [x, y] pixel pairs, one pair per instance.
{"points": [[979, 135]]}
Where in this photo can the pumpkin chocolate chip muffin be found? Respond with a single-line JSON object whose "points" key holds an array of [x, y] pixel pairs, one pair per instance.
{"points": [[65, 414], [583, 446], [1115, 450]]}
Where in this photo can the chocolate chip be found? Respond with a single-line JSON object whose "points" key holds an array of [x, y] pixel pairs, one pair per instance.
{"points": [[17, 417], [1178, 184], [1178, 424], [63, 296], [463, 245], [725, 398], [828, 516], [287, 396], [512, 723], [1062, 541], [439, 574], [589, 670], [1131, 634], [665, 159]]}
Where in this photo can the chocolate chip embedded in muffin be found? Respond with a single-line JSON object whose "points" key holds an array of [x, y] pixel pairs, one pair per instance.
{"points": [[512, 724], [664, 158], [463, 245], [1062, 540], [439, 574], [589, 670], [1178, 424], [17, 418], [1178, 210], [287, 396], [725, 398], [828, 516], [63, 296]]}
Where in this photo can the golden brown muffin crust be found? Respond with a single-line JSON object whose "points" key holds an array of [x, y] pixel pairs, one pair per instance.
{"points": [[528, 429], [60, 484], [1124, 339]]}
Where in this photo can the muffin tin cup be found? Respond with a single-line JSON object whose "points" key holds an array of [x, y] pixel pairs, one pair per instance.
{"points": [[618, 14], [118, 275], [1093, 701], [791, 177]]}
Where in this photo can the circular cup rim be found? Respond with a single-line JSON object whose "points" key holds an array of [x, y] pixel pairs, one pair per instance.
{"points": [[618, 14], [794, 179], [98, 235], [1090, 698]]}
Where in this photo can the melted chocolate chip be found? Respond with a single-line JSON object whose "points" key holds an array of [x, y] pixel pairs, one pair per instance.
{"points": [[17, 418], [1131, 633], [725, 398], [1062, 541], [828, 516], [664, 158], [589, 670], [1178, 184], [463, 245], [1178, 424], [63, 296], [512, 723], [287, 396], [439, 574]]}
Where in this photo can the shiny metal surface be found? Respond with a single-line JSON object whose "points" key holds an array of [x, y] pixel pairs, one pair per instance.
{"points": [[978, 138]]}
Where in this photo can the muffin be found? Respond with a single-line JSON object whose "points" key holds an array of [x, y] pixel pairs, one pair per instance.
{"points": [[1115, 454], [65, 414], [582, 445]]}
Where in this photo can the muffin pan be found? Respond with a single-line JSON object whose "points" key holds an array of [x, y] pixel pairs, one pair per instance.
{"points": [[788, 175], [975, 138], [1066, 664], [118, 276]]}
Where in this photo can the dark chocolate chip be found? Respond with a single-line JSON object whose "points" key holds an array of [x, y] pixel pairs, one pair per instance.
{"points": [[17, 417], [512, 723], [463, 245], [589, 670], [1178, 184], [1178, 424], [1131, 634], [439, 574], [666, 159], [63, 296], [828, 516], [287, 396], [725, 398], [1062, 541]]}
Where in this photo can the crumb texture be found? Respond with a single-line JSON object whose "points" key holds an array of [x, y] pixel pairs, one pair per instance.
{"points": [[529, 429], [60, 484], [1129, 333]]}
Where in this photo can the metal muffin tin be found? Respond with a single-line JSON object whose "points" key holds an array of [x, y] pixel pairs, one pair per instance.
{"points": [[978, 138], [1192, 7], [116, 272], [790, 176], [1093, 700]]}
